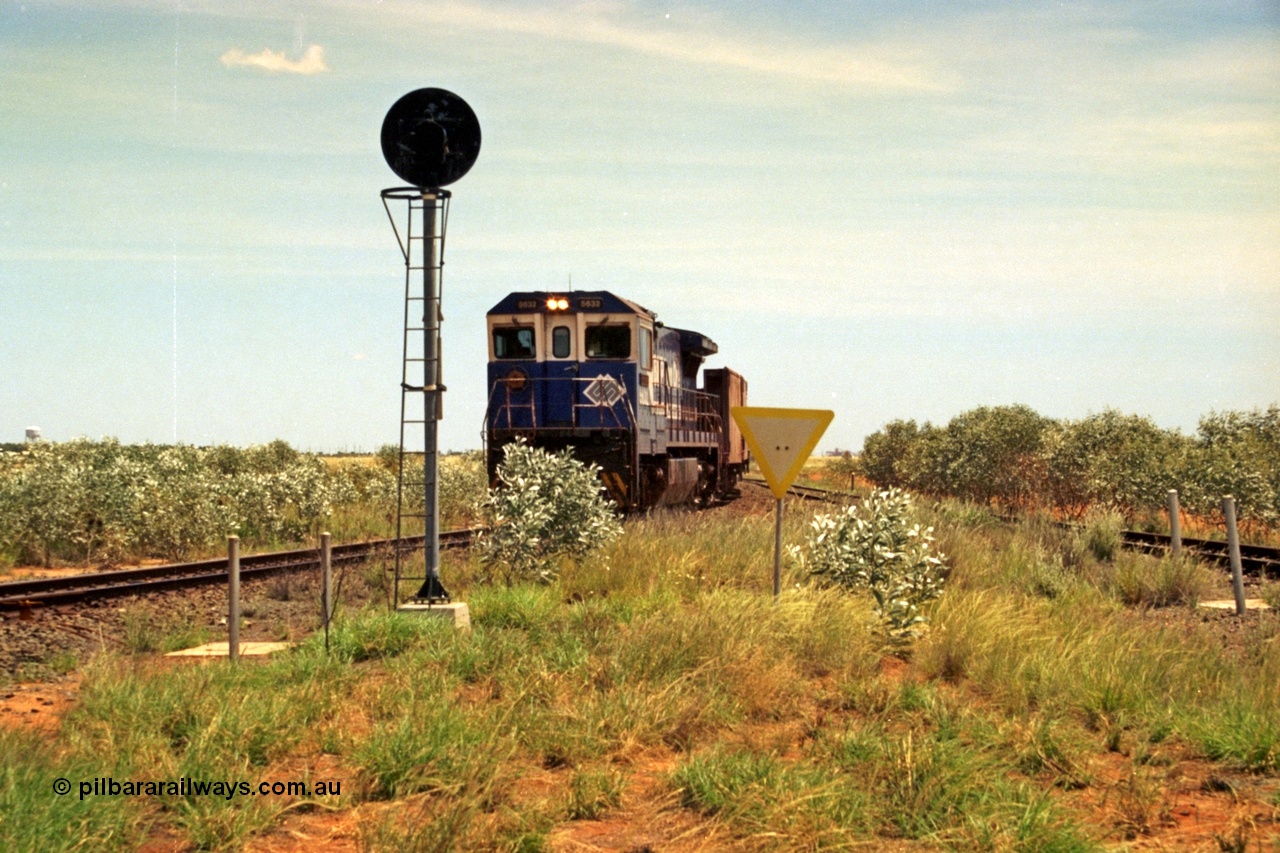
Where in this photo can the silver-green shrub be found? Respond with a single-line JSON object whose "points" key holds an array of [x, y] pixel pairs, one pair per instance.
{"points": [[1239, 455], [877, 545], [1011, 458], [464, 485], [546, 506], [102, 500]]}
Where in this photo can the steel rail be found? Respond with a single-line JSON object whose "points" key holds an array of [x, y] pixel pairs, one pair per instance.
{"points": [[1262, 560], [42, 592], [810, 493], [819, 493], [1255, 559]]}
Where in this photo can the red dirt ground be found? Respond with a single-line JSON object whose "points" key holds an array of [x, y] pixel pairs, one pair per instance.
{"points": [[1174, 803]]}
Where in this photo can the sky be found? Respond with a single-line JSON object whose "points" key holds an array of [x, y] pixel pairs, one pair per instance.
{"points": [[888, 209]]}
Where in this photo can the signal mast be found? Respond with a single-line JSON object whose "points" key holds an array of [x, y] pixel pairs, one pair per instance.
{"points": [[430, 138]]}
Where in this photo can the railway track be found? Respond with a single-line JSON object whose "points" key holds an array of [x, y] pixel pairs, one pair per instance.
{"points": [[1261, 560], [27, 594], [1255, 560], [817, 493], [44, 592], [810, 493]]}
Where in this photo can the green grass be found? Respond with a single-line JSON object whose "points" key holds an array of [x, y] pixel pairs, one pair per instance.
{"points": [[427, 744], [1142, 581], [776, 720], [594, 792], [1100, 536], [1271, 594], [375, 634], [34, 818], [876, 782], [771, 802], [145, 631], [1241, 732]]}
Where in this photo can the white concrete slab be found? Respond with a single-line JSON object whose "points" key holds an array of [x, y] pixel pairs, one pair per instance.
{"points": [[222, 650], [456, 612], [1230, 604]]}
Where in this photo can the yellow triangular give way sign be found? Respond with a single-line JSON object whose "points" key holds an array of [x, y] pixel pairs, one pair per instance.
{"points": [[781, 440]]}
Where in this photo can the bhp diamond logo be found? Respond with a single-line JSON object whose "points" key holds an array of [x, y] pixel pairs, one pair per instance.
{"points": [[604, 391]]}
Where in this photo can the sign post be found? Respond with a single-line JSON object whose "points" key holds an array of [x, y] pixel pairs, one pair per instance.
{"points": [[781, 441]]}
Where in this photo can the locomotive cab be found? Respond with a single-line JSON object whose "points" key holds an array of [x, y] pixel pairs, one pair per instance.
{"points": [[601, 375]]}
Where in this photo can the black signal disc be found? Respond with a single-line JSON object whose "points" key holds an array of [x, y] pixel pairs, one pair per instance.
{"points": [[430, 138]]}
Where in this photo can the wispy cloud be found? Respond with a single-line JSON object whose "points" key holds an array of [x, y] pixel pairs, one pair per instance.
{"points": [[697, 39], [312, 61]]}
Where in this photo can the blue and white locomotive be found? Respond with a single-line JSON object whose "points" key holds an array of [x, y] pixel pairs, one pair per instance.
{"points": [[601, 375]]}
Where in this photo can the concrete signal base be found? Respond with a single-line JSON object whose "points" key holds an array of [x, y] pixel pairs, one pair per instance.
{"points": [[455, 612]]}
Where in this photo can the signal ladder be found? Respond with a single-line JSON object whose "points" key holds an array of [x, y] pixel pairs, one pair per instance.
{"points": [[418, 488]]}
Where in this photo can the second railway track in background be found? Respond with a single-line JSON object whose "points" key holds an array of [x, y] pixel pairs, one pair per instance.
{"points": [[1260, 560], [1255, 560], [69, 589]]}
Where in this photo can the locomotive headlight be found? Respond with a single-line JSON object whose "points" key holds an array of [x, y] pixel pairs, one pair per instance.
{"points": [[516, 380], [557, 303]]}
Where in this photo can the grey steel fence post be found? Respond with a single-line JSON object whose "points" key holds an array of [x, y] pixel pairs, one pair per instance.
{"points": [[1175, 524], [1233, 549], [326, 586], [233, 598]]}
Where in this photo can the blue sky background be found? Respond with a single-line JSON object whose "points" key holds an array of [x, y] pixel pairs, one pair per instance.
{"points": [[889, 209]]}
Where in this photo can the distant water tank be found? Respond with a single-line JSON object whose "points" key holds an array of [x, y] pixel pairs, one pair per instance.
{"points": [[33, 433]]}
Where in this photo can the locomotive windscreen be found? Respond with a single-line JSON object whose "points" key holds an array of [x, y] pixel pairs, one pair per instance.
{"points": [[513, 342], [608, 341]]}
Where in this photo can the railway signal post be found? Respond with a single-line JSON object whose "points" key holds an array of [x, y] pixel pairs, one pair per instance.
{"points": [[430, 138]]}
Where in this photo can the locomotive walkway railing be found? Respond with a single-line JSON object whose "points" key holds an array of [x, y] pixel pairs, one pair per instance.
{"points": [[692, 416], [592, 403], [521, 402]]}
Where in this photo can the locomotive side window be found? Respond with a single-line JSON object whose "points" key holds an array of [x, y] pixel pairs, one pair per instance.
{"points": [[560, 342], [646, 337], [608, 342], [513, 342]]}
